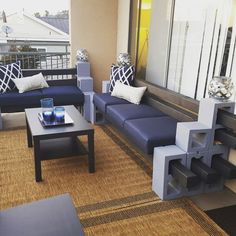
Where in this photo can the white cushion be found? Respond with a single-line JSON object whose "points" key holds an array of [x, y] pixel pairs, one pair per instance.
{"points": [[129, 93], [30, 83]]}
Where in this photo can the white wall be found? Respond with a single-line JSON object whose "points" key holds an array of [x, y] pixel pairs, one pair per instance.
{"points": [[123, 26]]}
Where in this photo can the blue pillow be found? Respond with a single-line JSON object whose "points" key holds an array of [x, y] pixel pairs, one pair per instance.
{"points": [[7, 74], [124, 74]]}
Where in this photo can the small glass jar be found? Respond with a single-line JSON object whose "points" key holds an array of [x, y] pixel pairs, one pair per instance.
{"points": [[59, 114], [220, 88], [47, 109]]}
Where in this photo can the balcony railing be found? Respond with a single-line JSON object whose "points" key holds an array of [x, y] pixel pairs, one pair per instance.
{"points": [[38, 60]]}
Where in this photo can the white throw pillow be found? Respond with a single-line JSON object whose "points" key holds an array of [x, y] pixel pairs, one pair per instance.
{"points": [[30, 83], [129, 93]]}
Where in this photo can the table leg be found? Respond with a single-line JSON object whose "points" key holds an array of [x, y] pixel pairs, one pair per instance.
{"points": [[37, 160], [29, 135], [91, 158]]}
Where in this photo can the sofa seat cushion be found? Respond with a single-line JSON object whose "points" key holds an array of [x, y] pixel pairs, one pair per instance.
{"points": [[148, 133], [15, 99], [64, 95], [102, 100], [118, 114]]}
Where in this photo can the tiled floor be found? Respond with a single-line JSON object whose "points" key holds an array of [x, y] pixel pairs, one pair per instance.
{"points": [[208, 201]]}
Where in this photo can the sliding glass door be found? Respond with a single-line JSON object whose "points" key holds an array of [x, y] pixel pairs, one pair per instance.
{"points": [[197, 45], [143, 37], [182, 44]]}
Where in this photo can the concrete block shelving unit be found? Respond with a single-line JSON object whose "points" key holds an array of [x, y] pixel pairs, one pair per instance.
{"points": [[195, 147], [85, 83]]}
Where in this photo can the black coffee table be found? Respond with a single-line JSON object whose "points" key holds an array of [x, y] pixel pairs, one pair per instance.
{"points": [[54, 216], [58, 142]]}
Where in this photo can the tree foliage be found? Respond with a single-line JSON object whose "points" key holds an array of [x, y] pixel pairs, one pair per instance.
{"points": [[63, 14], [23, 54], [46, 13]]}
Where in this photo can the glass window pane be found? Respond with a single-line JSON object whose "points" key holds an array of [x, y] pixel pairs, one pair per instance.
{"points": [[182, 44], [143, 37]]}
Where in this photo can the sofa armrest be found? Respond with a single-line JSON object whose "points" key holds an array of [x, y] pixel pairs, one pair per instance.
{"points": [[105, 86]]}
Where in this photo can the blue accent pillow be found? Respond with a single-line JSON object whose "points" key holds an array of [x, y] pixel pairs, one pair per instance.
{"points": [[7, 74], [124, 74]]}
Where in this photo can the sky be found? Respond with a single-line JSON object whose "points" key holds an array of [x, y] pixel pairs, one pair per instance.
{"points": [[32, 6]]}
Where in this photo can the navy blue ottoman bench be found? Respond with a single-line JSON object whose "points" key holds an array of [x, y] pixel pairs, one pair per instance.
{"points": [[144, 125]]}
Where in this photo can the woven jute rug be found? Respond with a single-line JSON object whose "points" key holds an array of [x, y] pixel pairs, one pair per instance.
{"points": [[116, 200]]}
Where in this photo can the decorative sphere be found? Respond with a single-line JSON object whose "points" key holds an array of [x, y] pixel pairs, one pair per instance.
{"points": [[82, 55], [220, 88], [124, 59]]}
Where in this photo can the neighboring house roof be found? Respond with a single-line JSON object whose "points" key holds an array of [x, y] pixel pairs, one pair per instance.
{"points": [[60, 23], [27, 27], [45, 23]]}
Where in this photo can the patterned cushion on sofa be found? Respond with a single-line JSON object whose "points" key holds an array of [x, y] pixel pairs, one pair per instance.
{"points": [[7, 73], [124, 74]]}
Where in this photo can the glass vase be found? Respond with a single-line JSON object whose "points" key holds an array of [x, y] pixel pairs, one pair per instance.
{"points": [[47, 109], [220, 88]]}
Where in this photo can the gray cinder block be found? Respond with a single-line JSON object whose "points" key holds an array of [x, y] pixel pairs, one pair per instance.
{"points": [[223, 152], [83, 69], [208, 110], [193, 140], [218, 149], [163, 183], [85, 83], [192, 136], [197, 155], [200, 187], [89, 108]]}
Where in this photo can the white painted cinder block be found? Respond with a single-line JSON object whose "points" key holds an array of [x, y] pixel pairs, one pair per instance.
{"points": [[162, 182], [83, 69], [208, 110], [85, 83], [192, 136]]}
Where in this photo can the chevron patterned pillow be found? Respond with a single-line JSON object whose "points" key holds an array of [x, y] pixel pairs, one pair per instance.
{"points": [[124, 74], [7, 74]]}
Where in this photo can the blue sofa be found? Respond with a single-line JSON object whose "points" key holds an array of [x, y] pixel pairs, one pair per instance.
{"points": [[63, 92], [144, 125]]}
